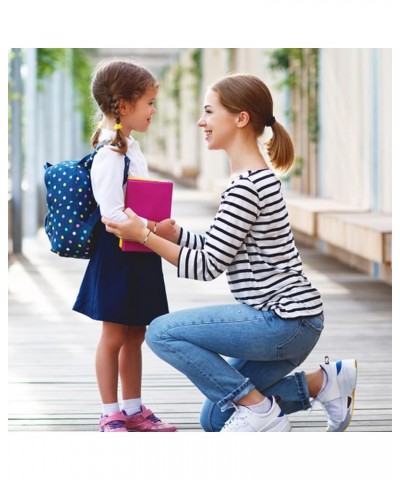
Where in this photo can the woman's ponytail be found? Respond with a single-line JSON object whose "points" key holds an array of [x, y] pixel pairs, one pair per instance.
{"points": [[280, 148]]}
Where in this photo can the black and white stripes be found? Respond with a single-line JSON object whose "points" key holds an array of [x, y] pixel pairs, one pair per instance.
{"points": [[251, 240]]}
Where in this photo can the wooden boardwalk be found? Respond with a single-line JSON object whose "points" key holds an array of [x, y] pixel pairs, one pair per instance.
{"points": [[52, 349]]}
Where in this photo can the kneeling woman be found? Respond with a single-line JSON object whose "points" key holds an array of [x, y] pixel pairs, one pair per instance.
{"points": [[278, 317]]}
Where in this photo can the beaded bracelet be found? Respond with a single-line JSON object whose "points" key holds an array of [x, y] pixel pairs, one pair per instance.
{"points": [[155, 228]]}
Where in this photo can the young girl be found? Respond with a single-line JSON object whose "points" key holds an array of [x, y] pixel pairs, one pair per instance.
{"points": [[125, 291], [278, 317]]}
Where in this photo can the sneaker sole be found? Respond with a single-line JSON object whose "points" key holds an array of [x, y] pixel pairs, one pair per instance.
{"points": [[282, 426], [152, 431]]}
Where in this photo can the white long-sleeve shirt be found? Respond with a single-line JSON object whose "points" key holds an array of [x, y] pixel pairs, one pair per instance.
{"points": [[107, 176], [251, 240]]}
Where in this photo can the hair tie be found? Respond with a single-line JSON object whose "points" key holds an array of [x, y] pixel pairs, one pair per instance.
{"points": [[117, 126], [270, 121]]}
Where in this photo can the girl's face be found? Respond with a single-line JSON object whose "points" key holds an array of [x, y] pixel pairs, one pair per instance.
{"points": [[138, 114], [218, 124]]}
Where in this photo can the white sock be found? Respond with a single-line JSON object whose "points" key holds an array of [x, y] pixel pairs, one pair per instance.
{"points": [[262, 407], [110, 408], [132, 405]]}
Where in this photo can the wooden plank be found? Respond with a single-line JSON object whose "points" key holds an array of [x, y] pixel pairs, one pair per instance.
{"points": [[387, 248], [304, 211], [362, 234]]}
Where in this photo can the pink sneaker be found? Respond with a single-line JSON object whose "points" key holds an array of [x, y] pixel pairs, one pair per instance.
{"points": [[114, 422], [146, 421]]}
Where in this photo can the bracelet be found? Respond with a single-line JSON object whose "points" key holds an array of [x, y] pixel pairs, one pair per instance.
{"points": [[155, 228], [147, 237]]}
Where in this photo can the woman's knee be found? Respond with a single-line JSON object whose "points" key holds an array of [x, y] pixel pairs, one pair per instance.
{"points": [[154, 332]]}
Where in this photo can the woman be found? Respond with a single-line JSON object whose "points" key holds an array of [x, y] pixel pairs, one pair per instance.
{"points": [[278, 317]]}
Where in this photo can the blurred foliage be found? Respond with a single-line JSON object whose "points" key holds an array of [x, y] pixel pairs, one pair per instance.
{"points": [[299, 69], [196, 71], [76, 62], [48, 61], [295, 63], [176, 86], [232, 52], [282, 60], [82, 77]]}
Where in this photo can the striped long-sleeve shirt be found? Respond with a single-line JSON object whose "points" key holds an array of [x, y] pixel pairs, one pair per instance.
{"points": [[251, 240]]}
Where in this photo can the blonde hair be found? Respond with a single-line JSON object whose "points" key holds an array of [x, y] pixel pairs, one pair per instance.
{"points": [[113, 81], [245, 92]]}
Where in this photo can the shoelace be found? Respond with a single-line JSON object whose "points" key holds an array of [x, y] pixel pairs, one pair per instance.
{"points": [[153, 418], [312, 403], [116, 424], [237, 416]]}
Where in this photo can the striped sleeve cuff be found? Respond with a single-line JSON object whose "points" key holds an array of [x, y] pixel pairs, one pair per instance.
{"points": [[191, 240]]}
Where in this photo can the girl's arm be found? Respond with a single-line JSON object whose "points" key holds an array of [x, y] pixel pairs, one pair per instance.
{"points": [[107, 176]]}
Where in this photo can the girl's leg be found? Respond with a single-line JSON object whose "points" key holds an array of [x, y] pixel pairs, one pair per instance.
{"points": [[130, 363], [112, 338], [138, 418]]}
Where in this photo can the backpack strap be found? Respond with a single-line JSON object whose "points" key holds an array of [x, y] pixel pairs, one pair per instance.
{"points": [[126, 159], [126, 169]]}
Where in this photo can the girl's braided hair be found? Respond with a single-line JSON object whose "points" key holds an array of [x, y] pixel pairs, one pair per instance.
{"points": [[113, 81]]}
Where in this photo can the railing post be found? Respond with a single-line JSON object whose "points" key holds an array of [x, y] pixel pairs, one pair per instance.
{"points": [[16, 149]]}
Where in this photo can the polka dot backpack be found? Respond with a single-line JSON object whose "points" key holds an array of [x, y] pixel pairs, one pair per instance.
{"points": [[72, 212]]}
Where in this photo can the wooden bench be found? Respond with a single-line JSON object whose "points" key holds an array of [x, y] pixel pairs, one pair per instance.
{"points": [[368, 235], [304, 211], [352, 229]]}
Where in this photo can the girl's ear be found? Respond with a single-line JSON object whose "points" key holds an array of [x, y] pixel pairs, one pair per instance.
{"points": [[242, 119], [122, 106]]}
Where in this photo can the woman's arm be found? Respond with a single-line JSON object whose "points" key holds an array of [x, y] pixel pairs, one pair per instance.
{"points": [[236, 215], [135, 231]]}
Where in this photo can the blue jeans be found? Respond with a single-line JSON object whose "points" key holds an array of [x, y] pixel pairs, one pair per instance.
{"points": [[261, 349]]}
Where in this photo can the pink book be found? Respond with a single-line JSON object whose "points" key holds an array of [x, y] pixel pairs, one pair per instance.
{"points": [[150, 199]]}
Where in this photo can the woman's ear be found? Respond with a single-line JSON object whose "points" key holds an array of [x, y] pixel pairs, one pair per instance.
{"points": [[242, 119]]}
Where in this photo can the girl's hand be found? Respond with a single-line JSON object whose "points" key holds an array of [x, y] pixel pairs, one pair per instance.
{"points": [[133, 230], [168, 229]]}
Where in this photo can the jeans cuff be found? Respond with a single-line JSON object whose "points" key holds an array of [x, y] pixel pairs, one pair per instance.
{"points": [[237, 394], [302, 390]]}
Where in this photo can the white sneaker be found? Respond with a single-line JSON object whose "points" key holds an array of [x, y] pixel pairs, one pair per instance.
{"points": [[245, 420], [337, 398]]}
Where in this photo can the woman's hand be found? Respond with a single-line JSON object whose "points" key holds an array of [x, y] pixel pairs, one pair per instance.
{"points": [[133, 229], [169, 230]]}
